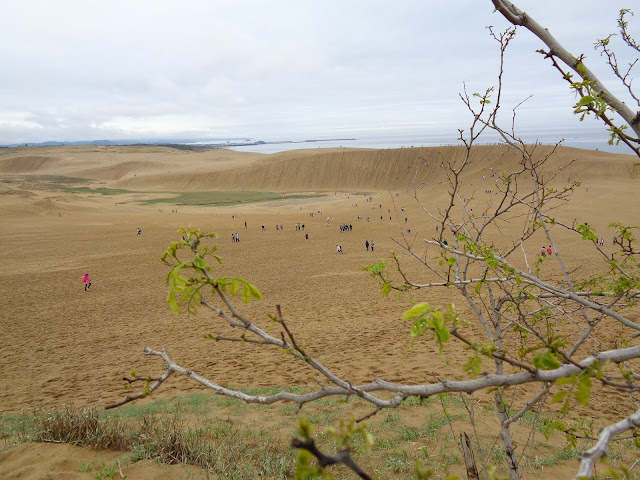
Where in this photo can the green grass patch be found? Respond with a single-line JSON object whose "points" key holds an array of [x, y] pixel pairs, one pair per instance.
{"points": [[213, 199], [232, 439], [435, 422], [101, 191], [550, 461], [221, 447], [56, 179], [224, 198]]}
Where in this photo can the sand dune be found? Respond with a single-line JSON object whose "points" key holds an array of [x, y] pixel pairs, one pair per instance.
{"points": [[62, 346], [300, 170], [29, 164]]}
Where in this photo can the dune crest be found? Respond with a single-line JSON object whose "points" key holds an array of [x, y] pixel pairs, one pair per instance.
{"points": [[164, 168]]}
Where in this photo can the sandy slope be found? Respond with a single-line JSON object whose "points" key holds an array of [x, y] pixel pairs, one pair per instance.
{"points": [[62, 346], [162, 168]]}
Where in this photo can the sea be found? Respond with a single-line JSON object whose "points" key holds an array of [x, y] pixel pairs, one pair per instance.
{"points": [[589, 139]]}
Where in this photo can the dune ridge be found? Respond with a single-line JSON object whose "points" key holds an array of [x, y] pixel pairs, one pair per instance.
{"points": [[163, 168]]}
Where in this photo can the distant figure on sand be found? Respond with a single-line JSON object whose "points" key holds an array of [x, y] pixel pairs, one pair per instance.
{"points": [[139, 232], [86, 281], [543, 251], [549, 250], [339, 248], [372, 245], [366, 244]]}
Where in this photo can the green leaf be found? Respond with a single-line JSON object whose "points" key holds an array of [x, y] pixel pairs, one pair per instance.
{"points": [[173, 303], [558, 397], [199, 262], [368, 441], [417, 311], [234, 287], [178, 288], [304, 429], [491, 260], [255, 293], [217, 258], [438, 320], [584, 391], [546, 361], [473, 365], [305, 471], [587, 100], [563, 381], [581, 68], [443, 333], [375, 268], [246, 295], [418, 327]]}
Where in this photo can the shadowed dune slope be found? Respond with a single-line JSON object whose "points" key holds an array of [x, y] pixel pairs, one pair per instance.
{"points": [[163, 168], [28, 164], [364, 169]]}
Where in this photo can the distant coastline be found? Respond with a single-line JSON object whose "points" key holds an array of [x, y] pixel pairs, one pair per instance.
{"points": [[210, 143], [588, 138], [250, 143]]}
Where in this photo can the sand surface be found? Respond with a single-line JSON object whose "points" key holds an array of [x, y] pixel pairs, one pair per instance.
{"points": [[61, 345]]}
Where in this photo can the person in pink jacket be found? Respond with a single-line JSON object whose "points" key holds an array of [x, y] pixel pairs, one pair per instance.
{"points": [[86, 281]]}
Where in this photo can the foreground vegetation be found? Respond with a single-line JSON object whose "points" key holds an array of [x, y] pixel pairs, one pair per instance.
{"points": [[230, 438]]}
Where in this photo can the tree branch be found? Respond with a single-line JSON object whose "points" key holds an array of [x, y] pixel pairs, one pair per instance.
{"points": [[402, 391], [517, 17], [599, 450]]}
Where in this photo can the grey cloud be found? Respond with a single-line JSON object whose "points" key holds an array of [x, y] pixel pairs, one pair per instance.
{"points": [[77, 69]]}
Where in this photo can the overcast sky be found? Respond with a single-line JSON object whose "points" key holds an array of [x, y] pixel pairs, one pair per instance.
{"points": [[118, 69]]}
